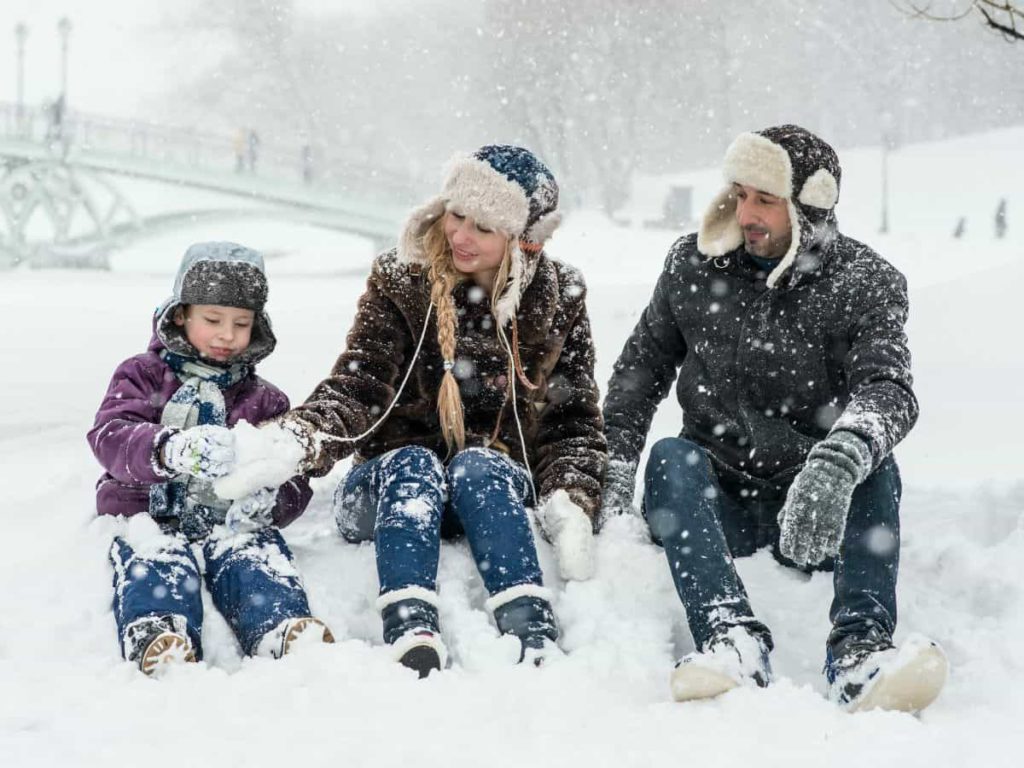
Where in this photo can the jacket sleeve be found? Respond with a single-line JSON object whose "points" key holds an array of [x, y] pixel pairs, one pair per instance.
{"points": [[362, 383], [643, 374], [572, 451], [127, 431], [882, 407], [294, 495]]}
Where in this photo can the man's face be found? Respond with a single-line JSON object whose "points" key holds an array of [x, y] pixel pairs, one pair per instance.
{"points": [[764, 220]]}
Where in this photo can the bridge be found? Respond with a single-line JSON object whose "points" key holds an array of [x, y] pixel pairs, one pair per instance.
{"points": [[64, 200]]}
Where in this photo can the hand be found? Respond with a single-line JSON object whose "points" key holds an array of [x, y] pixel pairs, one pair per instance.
{"points": [[253, 512], [813, 519], [268, 456], [617, 495], [206, 452], [571, 533]]}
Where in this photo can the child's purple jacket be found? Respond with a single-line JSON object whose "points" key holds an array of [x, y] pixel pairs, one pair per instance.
{"points": [[127, 432]]}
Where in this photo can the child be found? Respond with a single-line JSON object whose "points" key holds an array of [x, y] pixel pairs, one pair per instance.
{"points": [[467, 390], [161, 435]]}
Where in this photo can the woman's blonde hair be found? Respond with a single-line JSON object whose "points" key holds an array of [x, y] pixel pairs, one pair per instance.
{"points": [[443, 278]]}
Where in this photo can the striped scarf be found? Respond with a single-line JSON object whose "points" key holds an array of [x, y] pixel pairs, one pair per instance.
{"points": [[199, 400]]}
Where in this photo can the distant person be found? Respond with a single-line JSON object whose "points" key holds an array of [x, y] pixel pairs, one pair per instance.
{"points": [[240, 146], [961, 228], [1001, 219], [162, 435], [254, 150], [466, 389], [794, 380], [307, 164]]}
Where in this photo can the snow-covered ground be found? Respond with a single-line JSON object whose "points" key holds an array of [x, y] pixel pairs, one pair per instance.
{"points": [[66, 698]]}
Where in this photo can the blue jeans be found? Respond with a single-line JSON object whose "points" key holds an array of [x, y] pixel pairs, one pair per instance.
{"points": [[703, 524], [251, 579], [406, 501]]}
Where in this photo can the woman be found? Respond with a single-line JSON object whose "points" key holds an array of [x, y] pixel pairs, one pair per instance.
{"points": [[467, 392]]}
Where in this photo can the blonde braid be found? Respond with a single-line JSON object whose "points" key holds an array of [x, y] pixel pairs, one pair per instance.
{"points": [[443, 278]]}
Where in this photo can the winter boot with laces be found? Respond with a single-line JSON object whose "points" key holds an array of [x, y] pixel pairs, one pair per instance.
{"points": [[155, 642], [411, 628], [291, 633], [525, 612], [869, 673], [732, 658]]}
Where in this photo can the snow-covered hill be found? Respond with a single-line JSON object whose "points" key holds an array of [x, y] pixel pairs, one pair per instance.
{"points": [[68, 699]]}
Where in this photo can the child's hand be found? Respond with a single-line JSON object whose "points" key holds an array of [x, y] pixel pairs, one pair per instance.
{"points": [[206, 452], [253, 512]]}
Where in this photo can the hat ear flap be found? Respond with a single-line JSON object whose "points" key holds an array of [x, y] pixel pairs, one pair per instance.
{"points": [[820, 190], [542, 229], [410, 249]]}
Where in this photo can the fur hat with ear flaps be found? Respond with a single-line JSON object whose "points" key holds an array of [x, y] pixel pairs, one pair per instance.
{"points": [[502, 187], [789, 162]]}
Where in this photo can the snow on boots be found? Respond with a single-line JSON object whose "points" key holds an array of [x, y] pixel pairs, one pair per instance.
{"points": [[732, 658], [411, 628], [866, 675], [154, 642], [524, 611]]}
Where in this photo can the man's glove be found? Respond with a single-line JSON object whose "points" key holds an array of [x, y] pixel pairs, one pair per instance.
{"points": [[571, 533], [617, 494], [813, 519], [206, 452], [253, 512]]}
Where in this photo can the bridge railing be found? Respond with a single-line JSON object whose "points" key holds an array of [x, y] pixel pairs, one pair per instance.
{"points": [[188, 148]]}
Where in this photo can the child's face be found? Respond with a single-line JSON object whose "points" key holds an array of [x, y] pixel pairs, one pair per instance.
{"points": [[219, 333]]}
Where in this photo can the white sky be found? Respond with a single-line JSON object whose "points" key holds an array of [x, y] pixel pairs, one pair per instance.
{"points": [[121, 52]]}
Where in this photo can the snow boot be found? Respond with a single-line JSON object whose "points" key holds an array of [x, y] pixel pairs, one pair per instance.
{"points": [[154, 642], [865, 673], [525, 611], [732, 658], [292, 633], [411, 629]]}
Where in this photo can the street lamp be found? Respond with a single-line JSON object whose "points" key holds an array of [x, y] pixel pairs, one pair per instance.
{"points": [[64, 28], [20, 33]]}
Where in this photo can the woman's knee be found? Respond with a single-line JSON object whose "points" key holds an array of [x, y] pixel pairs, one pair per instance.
{"points": [[675, 456], [412, 462]]}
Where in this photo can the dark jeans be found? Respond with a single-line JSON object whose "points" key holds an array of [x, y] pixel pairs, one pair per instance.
{"points": [[406, 500], [703, 524], [251, 579]]}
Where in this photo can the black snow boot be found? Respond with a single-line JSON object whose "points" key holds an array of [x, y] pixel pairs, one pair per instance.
{"points": [[525, 612], [411, 629]]}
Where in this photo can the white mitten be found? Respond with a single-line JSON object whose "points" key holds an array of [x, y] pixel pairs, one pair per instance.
{"points": [[265, 457], [571, 533]]}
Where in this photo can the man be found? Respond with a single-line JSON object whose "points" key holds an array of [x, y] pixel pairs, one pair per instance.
{"points": [[794, 379]]}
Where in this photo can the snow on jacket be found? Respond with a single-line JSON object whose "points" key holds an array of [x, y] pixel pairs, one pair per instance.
{"points": [[561, 419], [766, 372], [127, 433]]}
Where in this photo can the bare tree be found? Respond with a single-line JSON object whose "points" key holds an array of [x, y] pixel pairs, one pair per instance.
{"points": [[1005, 17]]}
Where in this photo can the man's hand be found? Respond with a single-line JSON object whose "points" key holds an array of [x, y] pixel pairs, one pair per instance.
{"points": [[206, 452], [617, 495], [813, 519], [253, 512]]}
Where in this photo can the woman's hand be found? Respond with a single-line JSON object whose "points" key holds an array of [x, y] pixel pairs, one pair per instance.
{"points": [[571, 532], [265, 457]]}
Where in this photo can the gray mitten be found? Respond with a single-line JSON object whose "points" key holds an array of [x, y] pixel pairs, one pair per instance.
{"points": [[617, 494], [253, 512], [813, 519], [206, 452]]}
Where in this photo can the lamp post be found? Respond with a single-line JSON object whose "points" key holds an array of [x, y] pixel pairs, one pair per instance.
{"points": [[64, 28], [20, 33]]}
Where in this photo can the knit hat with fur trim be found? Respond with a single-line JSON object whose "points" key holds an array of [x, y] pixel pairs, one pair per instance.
{"points": [[786, 161], [227, 275], [502, 187]]}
